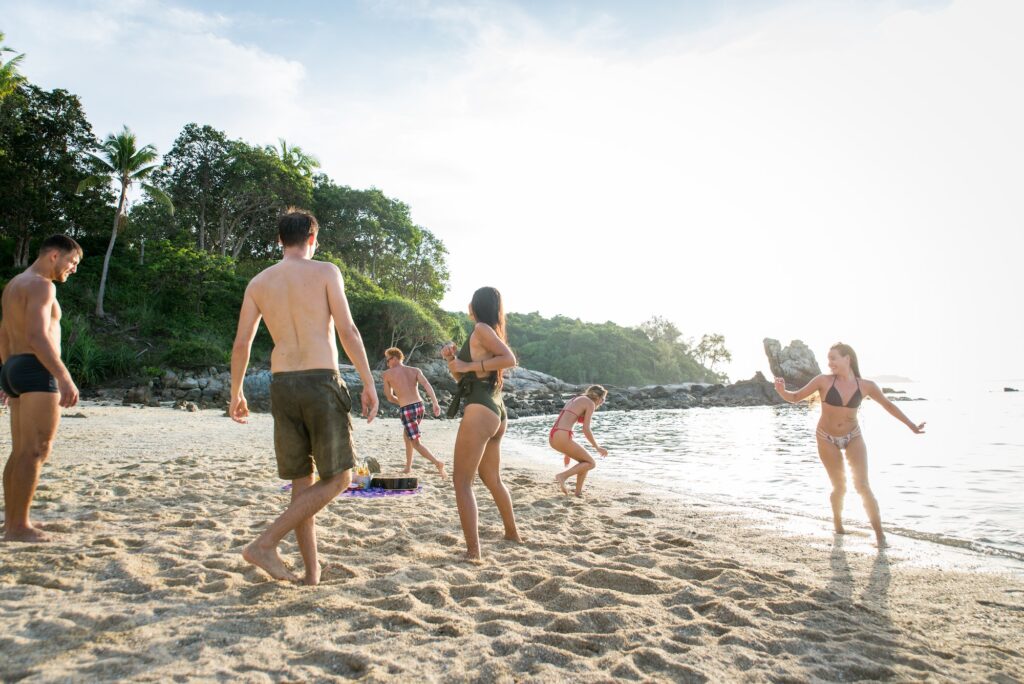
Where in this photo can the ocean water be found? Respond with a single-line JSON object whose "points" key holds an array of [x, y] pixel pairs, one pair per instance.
{"points": [[960, 484]]}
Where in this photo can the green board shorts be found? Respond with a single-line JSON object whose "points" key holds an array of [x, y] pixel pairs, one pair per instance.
{"points": [[312, 423]]}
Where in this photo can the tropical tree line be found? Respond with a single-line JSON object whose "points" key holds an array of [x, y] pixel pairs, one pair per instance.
{"points": [[171, 241], [653, 353], [180, 236]]}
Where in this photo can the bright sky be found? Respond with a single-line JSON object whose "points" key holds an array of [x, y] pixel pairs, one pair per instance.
{"points": [[815, 170]]}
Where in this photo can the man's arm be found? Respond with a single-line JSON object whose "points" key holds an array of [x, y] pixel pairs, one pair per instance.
{"points": [[40, 299], [248, 323], [351, 340], [5, 352], [422, 379]]}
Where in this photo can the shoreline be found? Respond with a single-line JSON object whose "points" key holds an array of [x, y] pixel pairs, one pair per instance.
{"points": [[144, 581]]}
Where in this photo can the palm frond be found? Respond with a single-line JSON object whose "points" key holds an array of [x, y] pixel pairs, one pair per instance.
{"points": [[91, 182], [159, 195]]}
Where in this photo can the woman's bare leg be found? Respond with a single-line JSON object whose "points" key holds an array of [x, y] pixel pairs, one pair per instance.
{"points": [[832, 458], [857, 457], [565, 445], [478, 425], [490, 475]]}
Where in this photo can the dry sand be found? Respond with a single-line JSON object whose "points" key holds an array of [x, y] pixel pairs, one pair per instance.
{"points": [[151, 507]]}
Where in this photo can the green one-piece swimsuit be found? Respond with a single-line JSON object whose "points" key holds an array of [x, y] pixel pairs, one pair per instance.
{"points": [[474, 390]]}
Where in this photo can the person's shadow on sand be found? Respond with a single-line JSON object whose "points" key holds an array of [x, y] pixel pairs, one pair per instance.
{"points": [[840, 581]]}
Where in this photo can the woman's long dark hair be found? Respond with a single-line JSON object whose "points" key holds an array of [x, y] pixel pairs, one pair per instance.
{"points": [[488, 308], [847, 351]]}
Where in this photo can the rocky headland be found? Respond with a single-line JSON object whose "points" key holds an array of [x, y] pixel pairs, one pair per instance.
{"points": [[526, 392]]}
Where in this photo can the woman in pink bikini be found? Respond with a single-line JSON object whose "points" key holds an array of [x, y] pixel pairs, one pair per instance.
{"points": [[577, 410], [838, 429]]}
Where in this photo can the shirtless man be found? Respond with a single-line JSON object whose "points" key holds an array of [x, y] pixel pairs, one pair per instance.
{"points": [[303, 302], [401, 386], [34, 381]]}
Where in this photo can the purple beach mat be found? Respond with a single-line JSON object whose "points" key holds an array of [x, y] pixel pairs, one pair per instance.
{"points": [[370, 493]]}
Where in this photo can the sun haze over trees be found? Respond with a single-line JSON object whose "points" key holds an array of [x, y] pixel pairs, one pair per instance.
{"points": [[177, 256]]}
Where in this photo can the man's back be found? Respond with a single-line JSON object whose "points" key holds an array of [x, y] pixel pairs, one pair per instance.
{"points": [[24, 288], [292, 298], [404, 380]]}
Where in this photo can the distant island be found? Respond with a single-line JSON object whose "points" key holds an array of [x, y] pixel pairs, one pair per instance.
{"points": [[890, 378]]}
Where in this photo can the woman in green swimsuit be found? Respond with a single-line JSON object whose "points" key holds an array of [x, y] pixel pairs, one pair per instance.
{"points": [[478, 368]]}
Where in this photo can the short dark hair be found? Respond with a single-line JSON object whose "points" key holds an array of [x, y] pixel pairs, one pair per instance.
{"points": [[295, 226], [61, 243]]}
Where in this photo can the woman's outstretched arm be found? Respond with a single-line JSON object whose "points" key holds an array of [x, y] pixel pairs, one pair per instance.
{"points": [[802, 393], [873, 391]]}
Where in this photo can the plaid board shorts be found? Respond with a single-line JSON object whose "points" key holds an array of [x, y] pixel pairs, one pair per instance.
{"points": [[411, 416]]}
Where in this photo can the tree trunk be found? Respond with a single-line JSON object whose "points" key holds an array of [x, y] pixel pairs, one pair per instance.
{"points": [[110, 249], [21, 251], [142, 252]]}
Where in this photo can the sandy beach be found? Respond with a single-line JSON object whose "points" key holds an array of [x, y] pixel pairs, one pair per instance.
{"points": [[150, 508]]}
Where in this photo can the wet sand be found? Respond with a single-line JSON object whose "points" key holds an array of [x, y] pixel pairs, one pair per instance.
{"points": [[150, 509]]}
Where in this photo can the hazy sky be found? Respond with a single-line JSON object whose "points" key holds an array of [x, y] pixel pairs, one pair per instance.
{"points": [[816, 170]]}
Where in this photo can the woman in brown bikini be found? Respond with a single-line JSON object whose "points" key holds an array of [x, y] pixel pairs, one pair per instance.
{"points": [[838, 429]]}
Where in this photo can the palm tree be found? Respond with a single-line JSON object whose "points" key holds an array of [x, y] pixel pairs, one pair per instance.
{"points": [[125, 164], [9, 76], [294, 157]]}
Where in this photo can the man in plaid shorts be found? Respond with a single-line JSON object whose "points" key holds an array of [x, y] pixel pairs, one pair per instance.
{"points": [[401, 386]]}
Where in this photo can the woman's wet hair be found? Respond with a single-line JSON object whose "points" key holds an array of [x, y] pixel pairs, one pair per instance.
{"points": [[847, 351], [596, 393]]}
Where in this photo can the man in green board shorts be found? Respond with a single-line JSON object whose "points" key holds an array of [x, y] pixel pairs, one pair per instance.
{"points": [[302, 302]]}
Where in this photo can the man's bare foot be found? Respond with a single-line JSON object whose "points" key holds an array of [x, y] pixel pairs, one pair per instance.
{"points": [[561, 484], [269, 561], [26, 534], [312, 577]]}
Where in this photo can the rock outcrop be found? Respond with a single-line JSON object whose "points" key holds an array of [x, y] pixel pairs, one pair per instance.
{"points": [[795, 363], [526, 392]]}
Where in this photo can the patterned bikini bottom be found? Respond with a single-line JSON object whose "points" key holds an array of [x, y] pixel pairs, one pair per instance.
{"points": [[840, 442]]}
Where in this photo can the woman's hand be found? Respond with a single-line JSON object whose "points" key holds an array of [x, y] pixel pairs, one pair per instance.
{"points": [[448, 351], [602, 451], [917, 429], [459, 366], [780, 386]]}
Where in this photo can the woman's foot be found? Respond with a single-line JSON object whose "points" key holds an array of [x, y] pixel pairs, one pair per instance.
{"points": [[514, 537], [441, 471], [881, 542], [560, 480], [473, 558]]}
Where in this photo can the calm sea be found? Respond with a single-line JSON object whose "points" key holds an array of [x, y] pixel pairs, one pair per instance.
{"points": [[961, 484]]}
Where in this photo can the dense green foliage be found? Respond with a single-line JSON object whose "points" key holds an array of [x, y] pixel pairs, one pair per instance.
{"points": [[162, 280], [581, 352]]}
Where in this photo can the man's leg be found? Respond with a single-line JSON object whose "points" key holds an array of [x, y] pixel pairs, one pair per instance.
{"points": [[37, 426], [425, 453], [305, 535], [408, 450], [263, 551], [15, 408]]}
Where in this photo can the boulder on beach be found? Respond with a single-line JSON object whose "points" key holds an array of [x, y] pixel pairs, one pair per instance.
{"points": [[795, 363]]}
